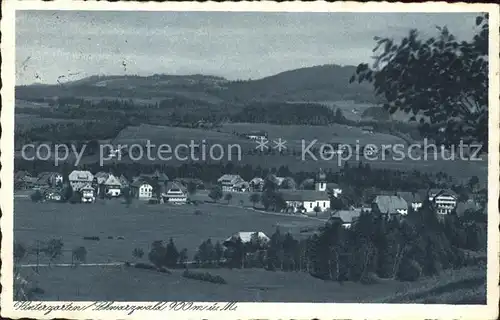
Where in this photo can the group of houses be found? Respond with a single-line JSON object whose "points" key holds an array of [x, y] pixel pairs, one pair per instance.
{"points": [[312, 196], [89, 186]]}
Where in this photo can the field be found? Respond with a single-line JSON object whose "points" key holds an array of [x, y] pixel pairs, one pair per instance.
{"points": [[130, 284], [139, 225], [24, 122], [326, 134]]}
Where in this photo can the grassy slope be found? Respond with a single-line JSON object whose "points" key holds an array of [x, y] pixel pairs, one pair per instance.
{"points": [[140, 225], [122, 283]]}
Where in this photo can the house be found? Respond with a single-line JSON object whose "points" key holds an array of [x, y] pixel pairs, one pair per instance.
{"points": [[413, 199], [53, 194], [246, 237], [161, 177], [256, 184], [175, 193], [230, 182], [346, 217], [444, 200], [49, 179], [88, 193], [305, 200], [141, 189], [391, 205], [112, 186], [334, 189], [23, 180], [256, 135], [78, 179], [123, 181]]}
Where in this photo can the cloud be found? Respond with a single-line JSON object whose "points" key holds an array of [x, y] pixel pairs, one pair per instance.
{"points": [[235, 45]]}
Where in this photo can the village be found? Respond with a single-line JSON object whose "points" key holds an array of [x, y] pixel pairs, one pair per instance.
{"points": [[312, 197]]}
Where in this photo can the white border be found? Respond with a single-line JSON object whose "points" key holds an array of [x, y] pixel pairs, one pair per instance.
{"points": [[256, 310]]}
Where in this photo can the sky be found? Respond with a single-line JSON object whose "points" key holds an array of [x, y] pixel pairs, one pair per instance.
{"points": [[235, 45]]}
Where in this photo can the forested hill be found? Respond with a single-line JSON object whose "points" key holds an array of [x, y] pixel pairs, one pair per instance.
{"points": [[318, 83]]}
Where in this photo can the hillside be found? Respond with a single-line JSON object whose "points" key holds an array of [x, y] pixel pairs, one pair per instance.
{"points": [[319, 83]]}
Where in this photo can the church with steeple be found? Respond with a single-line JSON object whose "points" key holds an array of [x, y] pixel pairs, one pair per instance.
{"points": [[320, 181]]}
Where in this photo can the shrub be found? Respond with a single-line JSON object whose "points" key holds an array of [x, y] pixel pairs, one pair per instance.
{"points": [[198, 212], [145, 266], [92, 238], [203, 276], [36, 196], [164, 270], [409, 270], [369, 278], [127, 264]]}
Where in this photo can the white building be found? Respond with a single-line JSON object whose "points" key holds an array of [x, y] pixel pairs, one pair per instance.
{"points": [[175, 194], [113, 186], [247, 237], [141, 190], [306, 200], [79, 178], [413, 199], [230, 182], [88, 193], [445, 201]]}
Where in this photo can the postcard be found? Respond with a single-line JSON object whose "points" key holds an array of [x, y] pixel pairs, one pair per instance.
{"points": [[250, 160]]}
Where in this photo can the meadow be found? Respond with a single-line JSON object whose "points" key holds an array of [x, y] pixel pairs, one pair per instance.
{"points": [[247, 285], [138, 225]]}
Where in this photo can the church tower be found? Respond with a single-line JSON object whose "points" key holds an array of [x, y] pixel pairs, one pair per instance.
{"points": [[320, 182]]}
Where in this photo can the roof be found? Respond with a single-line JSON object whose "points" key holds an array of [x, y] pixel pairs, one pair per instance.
{"points": [[246, 236], [448, 192], [232, 178], [390, 204], [332, 185], [257, 180], [112, 181], [347, 216], [257, 133], [410, 197], [304, 195], [156, 175], [79, 175], [21, 175], [88, 186], [139, 182], [44, 177], [173, 187]]}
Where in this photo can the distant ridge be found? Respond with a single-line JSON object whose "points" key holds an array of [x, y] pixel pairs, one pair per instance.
{"points": [[317, 83]]}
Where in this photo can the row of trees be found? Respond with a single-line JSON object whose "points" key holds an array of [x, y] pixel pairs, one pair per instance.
{"points": [[376, 246]]}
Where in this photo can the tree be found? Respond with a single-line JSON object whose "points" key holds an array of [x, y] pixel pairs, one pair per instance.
{"points": [[76, 197], [254, 198], [215, 193], [138, 253], [473, 181], [79, 254], [228, 197], [192, 187], [317, 210], [157, 253], [171, 254], [183, 257], [54, 249], [442, 79], [19, 252], [36, 196], [127, 195]]}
